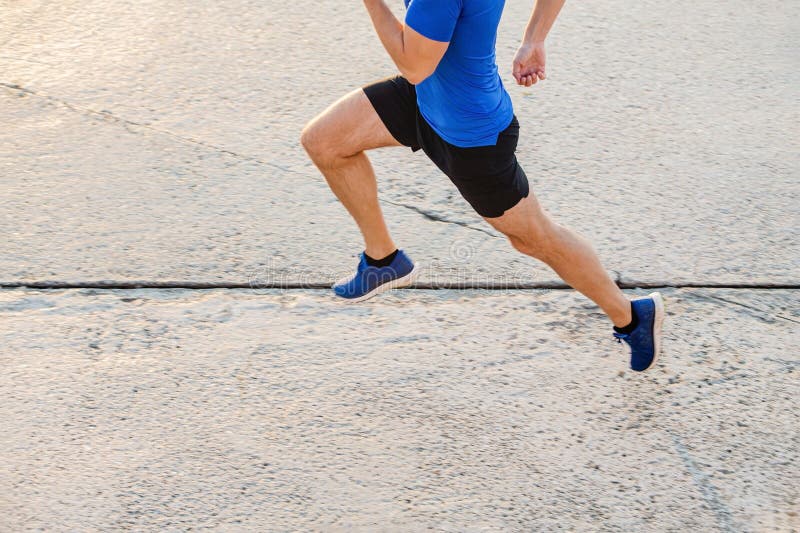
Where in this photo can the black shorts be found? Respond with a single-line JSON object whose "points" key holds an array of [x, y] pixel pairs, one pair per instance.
{"points": [[488, 177]]}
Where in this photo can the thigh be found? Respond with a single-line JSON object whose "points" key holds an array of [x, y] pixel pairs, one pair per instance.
{"points": [[349, 126]]}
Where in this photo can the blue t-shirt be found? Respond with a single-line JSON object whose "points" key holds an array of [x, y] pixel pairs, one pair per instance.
{"points": [[464, 100]]}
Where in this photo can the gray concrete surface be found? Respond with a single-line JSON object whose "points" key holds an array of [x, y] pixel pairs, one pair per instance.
{"points": [[157, 142], [458, 411]]}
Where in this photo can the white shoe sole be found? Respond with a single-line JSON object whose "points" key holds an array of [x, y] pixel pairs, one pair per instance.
{"points": [[658, 321], [398, 283]]}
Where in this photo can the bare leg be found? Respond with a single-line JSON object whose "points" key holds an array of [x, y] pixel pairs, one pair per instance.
{"points": [[335, 140], [533, 233]]}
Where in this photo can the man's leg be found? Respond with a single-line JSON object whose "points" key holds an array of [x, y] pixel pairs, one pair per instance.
{"points": [[336, 140], [532, 232]]}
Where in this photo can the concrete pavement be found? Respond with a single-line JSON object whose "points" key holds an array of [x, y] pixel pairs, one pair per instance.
{"points": [[457, 411], [156, 142]]}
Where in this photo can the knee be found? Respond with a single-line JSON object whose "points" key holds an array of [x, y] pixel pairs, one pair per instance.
{"points": [[319, 145], [313, 141], [523, 245], [539, 244]]}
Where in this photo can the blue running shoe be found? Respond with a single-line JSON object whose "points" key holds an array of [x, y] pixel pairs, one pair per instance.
{"points": [[369, 280], [645, 340]]}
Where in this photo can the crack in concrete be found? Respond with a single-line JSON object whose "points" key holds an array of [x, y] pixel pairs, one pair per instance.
{"points": [[430, 215], [322, 285], [766, 318], [108, 116], [707, 489], [317, 285]]}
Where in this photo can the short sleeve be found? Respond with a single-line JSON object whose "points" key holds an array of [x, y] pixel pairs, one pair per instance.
{"points": [[434, 19]]}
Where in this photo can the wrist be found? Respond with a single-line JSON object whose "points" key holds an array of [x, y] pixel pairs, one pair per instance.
{"points": [[532, 42], [534, 36]]}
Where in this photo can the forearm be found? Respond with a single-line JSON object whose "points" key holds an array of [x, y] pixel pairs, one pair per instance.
{"points": [[542, 19], [390, 32]]}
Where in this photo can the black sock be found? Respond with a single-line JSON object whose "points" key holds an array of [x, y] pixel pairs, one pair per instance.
{"points": [[632, 326], [385, 262]]}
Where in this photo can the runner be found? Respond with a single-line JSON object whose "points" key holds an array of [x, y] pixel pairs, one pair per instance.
{"points": [[449, 102]]}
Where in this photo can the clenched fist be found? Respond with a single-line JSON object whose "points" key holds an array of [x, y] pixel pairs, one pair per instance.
{"points": [[529, 64]]}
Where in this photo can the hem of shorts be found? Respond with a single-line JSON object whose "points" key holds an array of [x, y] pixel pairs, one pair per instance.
{"points": [[505, 210]]}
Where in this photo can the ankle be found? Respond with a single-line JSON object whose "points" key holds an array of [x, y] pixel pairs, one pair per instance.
{"points": [[627, 325], [379, 252], [381, 261]]}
